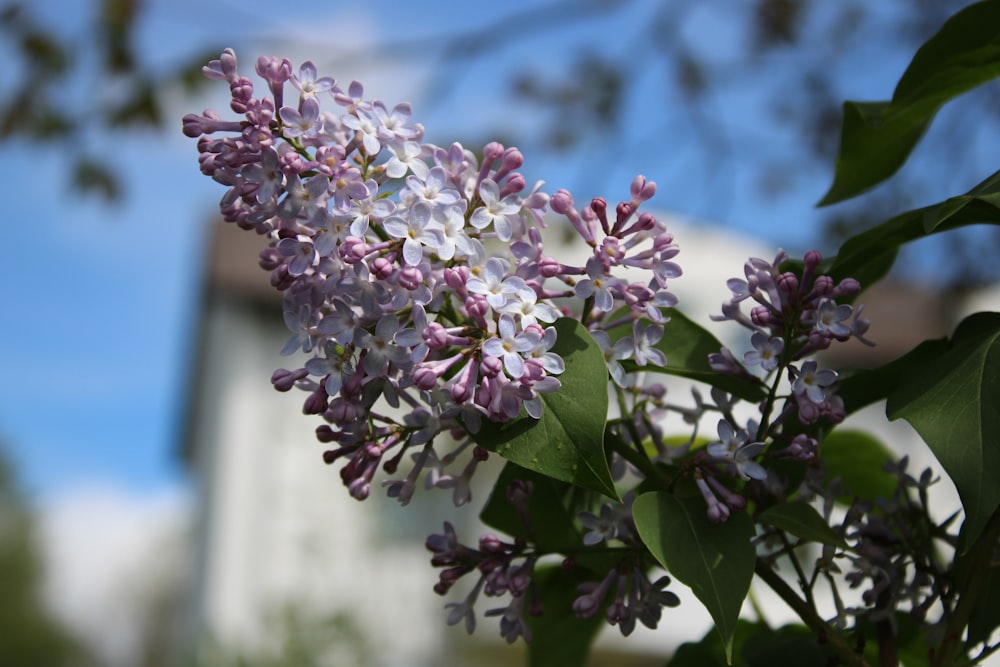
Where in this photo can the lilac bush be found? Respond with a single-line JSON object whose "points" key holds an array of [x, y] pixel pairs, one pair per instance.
{"points": [[440, 330]]}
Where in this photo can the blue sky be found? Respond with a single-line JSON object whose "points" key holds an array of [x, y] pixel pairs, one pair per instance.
{"points": [[100, 301]]}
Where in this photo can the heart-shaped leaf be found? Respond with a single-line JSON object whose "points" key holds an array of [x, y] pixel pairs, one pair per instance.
{"points": [[567, 442]]}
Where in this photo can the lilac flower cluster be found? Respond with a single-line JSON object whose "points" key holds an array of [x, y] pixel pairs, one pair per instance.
{"points": [[625, 593], [414, 275], [504, 568], [791, 316], [633, 596]]}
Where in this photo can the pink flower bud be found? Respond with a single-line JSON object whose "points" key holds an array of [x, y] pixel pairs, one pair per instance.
{"points": [[641, 190], [381, 268]]}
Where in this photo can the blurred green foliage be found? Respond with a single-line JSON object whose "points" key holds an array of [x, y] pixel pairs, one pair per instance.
{"points": [[30, 636]]}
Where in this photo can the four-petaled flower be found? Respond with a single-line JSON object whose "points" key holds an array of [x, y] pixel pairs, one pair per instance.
{"points": [[766, 353], [510, 344], [813, 382]]}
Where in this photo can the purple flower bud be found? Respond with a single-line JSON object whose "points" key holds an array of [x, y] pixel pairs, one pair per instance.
{"points": [[641, 190], [562, 202], [847, 287], [600, 209], [353, 250], [823, 286], [491, 544], [342, 411], [623, 212], [283, 380], [223, 68], [812, 259], [381, 268], [761, 316], [274, 70], [241, 89], [492, 151], [512, 159], [465, 384], [478, 308], [410, 277], [316, 404], [788, 283], [549, 267], [514, 183], [491, 366], [325, 434]]}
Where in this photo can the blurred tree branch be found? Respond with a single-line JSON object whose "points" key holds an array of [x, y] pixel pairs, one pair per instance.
{"points": [[787, 59]]}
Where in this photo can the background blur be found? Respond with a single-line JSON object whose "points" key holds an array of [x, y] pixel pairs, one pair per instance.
{"points": [[732, 107]]}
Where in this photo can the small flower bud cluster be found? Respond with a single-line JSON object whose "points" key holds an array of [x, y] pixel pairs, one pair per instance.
{"points": [[633, 597], [503, 567], [379, 246]]}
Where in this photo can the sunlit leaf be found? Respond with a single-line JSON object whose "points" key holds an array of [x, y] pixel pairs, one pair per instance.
{"points": [[567, 443], [687, 346], [877, 137], [716, 561]]}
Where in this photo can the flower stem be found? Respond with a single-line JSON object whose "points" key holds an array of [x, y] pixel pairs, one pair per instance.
{"points": [[827, 635], [978, 559]]}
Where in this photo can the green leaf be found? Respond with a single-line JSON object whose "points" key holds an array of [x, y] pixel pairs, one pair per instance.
{"points": [[558, 636], [709, 650], [985, 617], [985, 197], [788, 646], [551, 521], [716, 561], [687, 346], [567, 443], [877, 137], [857, 458], [552, 510], [868, 256], [953, 401], [858, 388], [803, 521]]}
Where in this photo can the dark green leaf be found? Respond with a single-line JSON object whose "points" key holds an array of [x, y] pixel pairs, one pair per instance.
{"points": [[980, 204], [953, 401], [709, 651], [802, 521], [985, 616], [788, 646], [877, 137], [911, 640], [860, 388], [857, 458], [567, 443], [687, 346], [716, 561], [552, 510], [558, 636], [868, 256]]}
